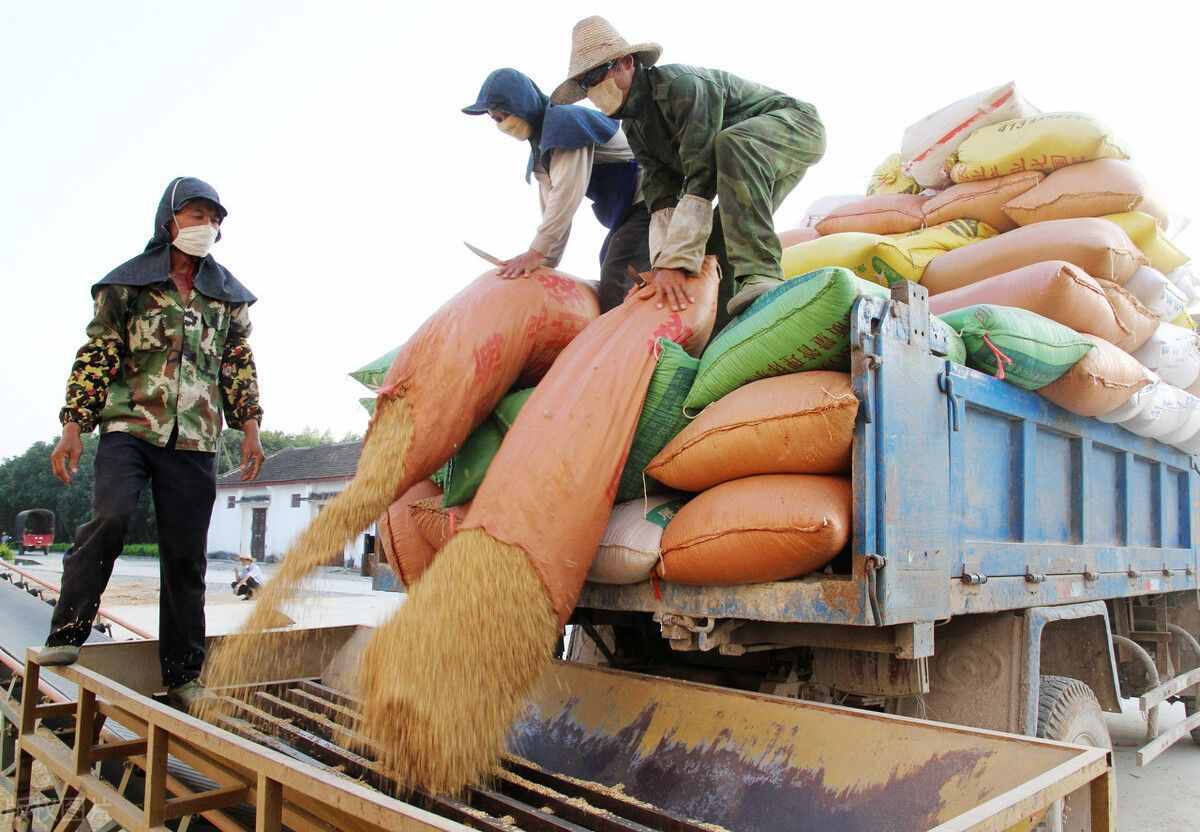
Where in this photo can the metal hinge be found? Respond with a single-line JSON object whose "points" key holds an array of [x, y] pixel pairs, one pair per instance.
{"points": [[946, 385], [973, 578], [874, 563], [1034, 577]]}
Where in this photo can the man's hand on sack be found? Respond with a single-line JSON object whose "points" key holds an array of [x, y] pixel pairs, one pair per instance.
{"points": [[522, 264], [668, 287]]}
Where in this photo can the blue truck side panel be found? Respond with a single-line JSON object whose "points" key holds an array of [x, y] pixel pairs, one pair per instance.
{"points": [[972, 495]]}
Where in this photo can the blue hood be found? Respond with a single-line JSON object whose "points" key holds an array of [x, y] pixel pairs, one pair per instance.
{"points": [[153, 265], [554, 126]]}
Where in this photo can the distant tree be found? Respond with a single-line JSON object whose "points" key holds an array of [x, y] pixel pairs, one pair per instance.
{"points": [[26, 481]]}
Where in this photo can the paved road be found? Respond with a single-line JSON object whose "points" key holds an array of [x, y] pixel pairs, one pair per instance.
{"points": [[1164, 796]]}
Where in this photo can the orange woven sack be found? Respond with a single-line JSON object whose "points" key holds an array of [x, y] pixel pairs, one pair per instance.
{"points": [[878, 214], [1100, 382], [795, 236], [404, 548], [435, 523], [1132, 314], [983, 201], [1054, 289], [802, 423], [758, 529], [1097, 246], [492, 335], [551, 487]]}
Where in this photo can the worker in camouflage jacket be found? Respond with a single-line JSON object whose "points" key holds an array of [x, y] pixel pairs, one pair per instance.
{"points": [[167, 355], [699, 134]]}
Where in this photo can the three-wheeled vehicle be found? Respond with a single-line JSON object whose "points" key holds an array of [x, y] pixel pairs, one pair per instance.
{"points": [[35, 530]]}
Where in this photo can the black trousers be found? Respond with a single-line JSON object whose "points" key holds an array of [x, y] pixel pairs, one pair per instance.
{"points": [[627, 245], [183, 484], [246, 588]]}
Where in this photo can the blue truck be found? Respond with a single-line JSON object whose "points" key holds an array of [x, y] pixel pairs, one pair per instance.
{"points": [[1013, 566]]}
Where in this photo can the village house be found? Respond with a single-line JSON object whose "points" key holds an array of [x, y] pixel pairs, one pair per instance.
{"points": [[263, 517]]}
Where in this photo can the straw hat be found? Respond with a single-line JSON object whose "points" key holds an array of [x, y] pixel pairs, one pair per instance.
{"points": [[245, 557], [594, 41]]}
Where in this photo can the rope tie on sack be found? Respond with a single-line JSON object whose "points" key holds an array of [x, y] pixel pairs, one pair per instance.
{"points": [[656, 584], [1001, 358]]}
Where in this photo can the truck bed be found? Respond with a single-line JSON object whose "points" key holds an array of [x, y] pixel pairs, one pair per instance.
{"points": [[970, 495]]}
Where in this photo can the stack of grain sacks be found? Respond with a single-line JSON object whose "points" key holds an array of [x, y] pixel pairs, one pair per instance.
{"points": [[1040, 244]]}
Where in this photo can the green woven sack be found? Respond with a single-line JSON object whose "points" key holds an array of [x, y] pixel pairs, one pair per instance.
{"points": [[661, 419], [371, 375], [1017, 345], [803, 324], [461, 477]]}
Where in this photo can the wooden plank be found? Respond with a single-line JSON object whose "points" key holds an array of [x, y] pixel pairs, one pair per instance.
{"points": [[1168, 689], [156, 776], [1166, 739], [58, 761], [351, 798], [335, 696], [268, 809], [118, 750], [222, 797], [1104, 803], [61, 759], [54, 709], [85, 730], [338, 713], [1020, 803]]}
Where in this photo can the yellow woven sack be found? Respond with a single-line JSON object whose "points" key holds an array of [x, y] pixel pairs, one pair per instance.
{"points": [[850, 250], [888, 179], [883, 259], [1042, 143], [905, 256], [1144, 231]]}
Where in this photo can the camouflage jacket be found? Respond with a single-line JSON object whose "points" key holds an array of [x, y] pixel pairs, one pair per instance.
{"points": [[672, 118], [152, 362]]}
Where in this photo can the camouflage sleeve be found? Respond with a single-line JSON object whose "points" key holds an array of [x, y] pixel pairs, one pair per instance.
{"points": [[239, 378], [697, 110], [660, 184], [98, 361]]}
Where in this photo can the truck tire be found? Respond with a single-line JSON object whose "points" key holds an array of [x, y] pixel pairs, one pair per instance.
{"points": [[1068, 711]]}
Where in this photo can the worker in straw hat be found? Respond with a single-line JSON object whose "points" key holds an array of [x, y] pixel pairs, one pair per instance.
{"points": [[574, 152], [699, 134], [247, 577]]}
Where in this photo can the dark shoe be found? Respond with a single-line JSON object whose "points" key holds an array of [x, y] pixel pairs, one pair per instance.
{"points": [[59, 655], [185, 697]]}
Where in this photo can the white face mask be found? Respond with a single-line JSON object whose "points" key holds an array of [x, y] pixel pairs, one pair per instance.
{"points": [[196, 240], [607, 96], [516, 127]]}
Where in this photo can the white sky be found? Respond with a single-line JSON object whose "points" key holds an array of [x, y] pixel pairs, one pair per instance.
{"points": [[332, 132]]}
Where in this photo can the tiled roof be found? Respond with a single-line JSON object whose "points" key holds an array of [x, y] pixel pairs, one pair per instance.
{"points": [[321, 462]]}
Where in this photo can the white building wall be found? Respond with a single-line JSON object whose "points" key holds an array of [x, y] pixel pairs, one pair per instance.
{"points": [[230, 528]]}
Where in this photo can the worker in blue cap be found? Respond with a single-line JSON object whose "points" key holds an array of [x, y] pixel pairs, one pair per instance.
{"points": [[574, 152]]}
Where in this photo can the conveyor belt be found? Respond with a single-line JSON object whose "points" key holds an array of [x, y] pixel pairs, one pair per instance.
{"points": [[24, 623]]}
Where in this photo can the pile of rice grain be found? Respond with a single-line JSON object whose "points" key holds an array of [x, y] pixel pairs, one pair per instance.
{"points": [[374, 487], [443, 679]]}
